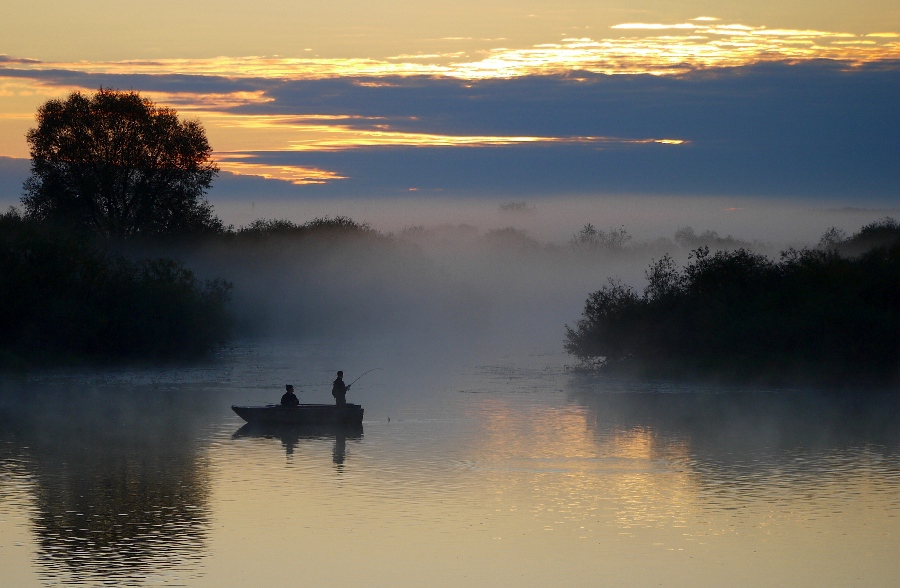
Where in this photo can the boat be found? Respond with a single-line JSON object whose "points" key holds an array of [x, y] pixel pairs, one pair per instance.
{"points": [[304, 414]]}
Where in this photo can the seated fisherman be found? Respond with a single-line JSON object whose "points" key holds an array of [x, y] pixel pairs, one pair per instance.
{"points": [[289, 399], [339, 390]]}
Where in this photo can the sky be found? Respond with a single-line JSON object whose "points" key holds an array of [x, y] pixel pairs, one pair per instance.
{"points": [[489, 99]]}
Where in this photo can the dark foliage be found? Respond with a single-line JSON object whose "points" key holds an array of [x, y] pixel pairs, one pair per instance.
{"points": [[814, 316], [686, 238], [115, 164], [881, 233], [338, 226], [590, 238], [62, 298]]}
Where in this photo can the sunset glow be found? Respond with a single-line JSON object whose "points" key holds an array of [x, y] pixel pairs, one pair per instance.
{"points": [[240, 102], [477, 293], [314, 134], [696, 45], [296, 175]]}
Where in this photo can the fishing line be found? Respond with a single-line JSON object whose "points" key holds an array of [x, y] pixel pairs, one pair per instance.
{"points": [[361, 375]]}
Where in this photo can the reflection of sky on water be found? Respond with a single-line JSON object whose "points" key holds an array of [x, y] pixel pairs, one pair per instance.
{"points": [[513, 471]]}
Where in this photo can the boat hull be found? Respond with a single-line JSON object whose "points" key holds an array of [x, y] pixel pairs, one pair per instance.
{"points": [[305, 414]]}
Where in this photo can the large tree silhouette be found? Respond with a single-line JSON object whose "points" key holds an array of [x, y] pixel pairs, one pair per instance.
{"points": [[116, 164]]}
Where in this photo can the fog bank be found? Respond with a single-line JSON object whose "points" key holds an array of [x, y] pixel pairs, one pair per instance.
{"points": [[780, 221], [480, 276]]}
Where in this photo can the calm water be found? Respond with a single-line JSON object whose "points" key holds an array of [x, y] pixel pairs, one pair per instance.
{"points": [[512, 471]]}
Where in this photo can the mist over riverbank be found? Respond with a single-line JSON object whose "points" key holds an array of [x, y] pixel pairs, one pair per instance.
{"points": [[507, 284]]}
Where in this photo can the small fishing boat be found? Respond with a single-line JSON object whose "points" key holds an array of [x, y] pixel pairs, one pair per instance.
{"points": [[304, 414]]}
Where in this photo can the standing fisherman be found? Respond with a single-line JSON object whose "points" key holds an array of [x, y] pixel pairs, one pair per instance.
{"points": [[339, 390]]}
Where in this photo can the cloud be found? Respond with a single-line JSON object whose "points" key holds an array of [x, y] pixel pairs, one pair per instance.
{"points": [[722, 115], [720, 106], [708, 43], [571, 169], [247, 165], [17, 60], [336, 133], [817, 128]]}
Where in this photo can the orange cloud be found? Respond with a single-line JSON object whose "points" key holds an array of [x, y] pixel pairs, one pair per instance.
{"points": [[709, 43], [298, 175], [249, 132]]}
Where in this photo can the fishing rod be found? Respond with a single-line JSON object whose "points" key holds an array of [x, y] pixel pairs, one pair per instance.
{"points": [[361, 375]]}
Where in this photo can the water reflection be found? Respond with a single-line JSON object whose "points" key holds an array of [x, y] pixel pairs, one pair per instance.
{"points": [[754, 455], [120, 486], [291, 435], [527, 472], [730, 423]]}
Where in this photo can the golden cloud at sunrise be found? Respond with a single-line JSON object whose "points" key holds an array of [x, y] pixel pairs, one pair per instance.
{"points": [[242, 164], [700, 43], [662, 49], [245, 137], [301, 133]]}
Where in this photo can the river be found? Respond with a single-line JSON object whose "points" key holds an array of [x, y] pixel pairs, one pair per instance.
{"points": [[511, 471]]}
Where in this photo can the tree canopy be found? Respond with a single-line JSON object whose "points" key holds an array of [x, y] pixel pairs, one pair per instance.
{"points": [[816, 315], [63, 298], [116, 164]]}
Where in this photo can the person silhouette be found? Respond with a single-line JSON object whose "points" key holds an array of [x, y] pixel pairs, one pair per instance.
{"points": [[339, 390], [289, 398]]}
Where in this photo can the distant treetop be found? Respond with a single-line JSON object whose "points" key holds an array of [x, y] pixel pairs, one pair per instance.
{"points": [[319, 225], [116, 164]]}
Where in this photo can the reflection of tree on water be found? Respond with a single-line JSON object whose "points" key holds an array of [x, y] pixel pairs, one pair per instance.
{"points": [[726, 421], [291, 435], [120, 486], [720, 459], [729, 433]]}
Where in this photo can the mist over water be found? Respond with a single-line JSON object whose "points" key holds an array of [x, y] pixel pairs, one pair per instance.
{"points": [[484, 458], [455, 273], [509, 471], [554, 219]]}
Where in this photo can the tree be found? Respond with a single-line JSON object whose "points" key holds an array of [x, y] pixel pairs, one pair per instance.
{"points": [[116, 164], [64, 297]]}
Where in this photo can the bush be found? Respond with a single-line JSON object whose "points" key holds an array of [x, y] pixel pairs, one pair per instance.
{"points": [[881, 233], [62, 297], [814, 316], [265, 228], [590, 238]]}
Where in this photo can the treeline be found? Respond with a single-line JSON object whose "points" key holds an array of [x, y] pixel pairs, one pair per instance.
{"points": [[116, 197], [325, 276], [68, 295], [824, 315], [65, 296]]}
